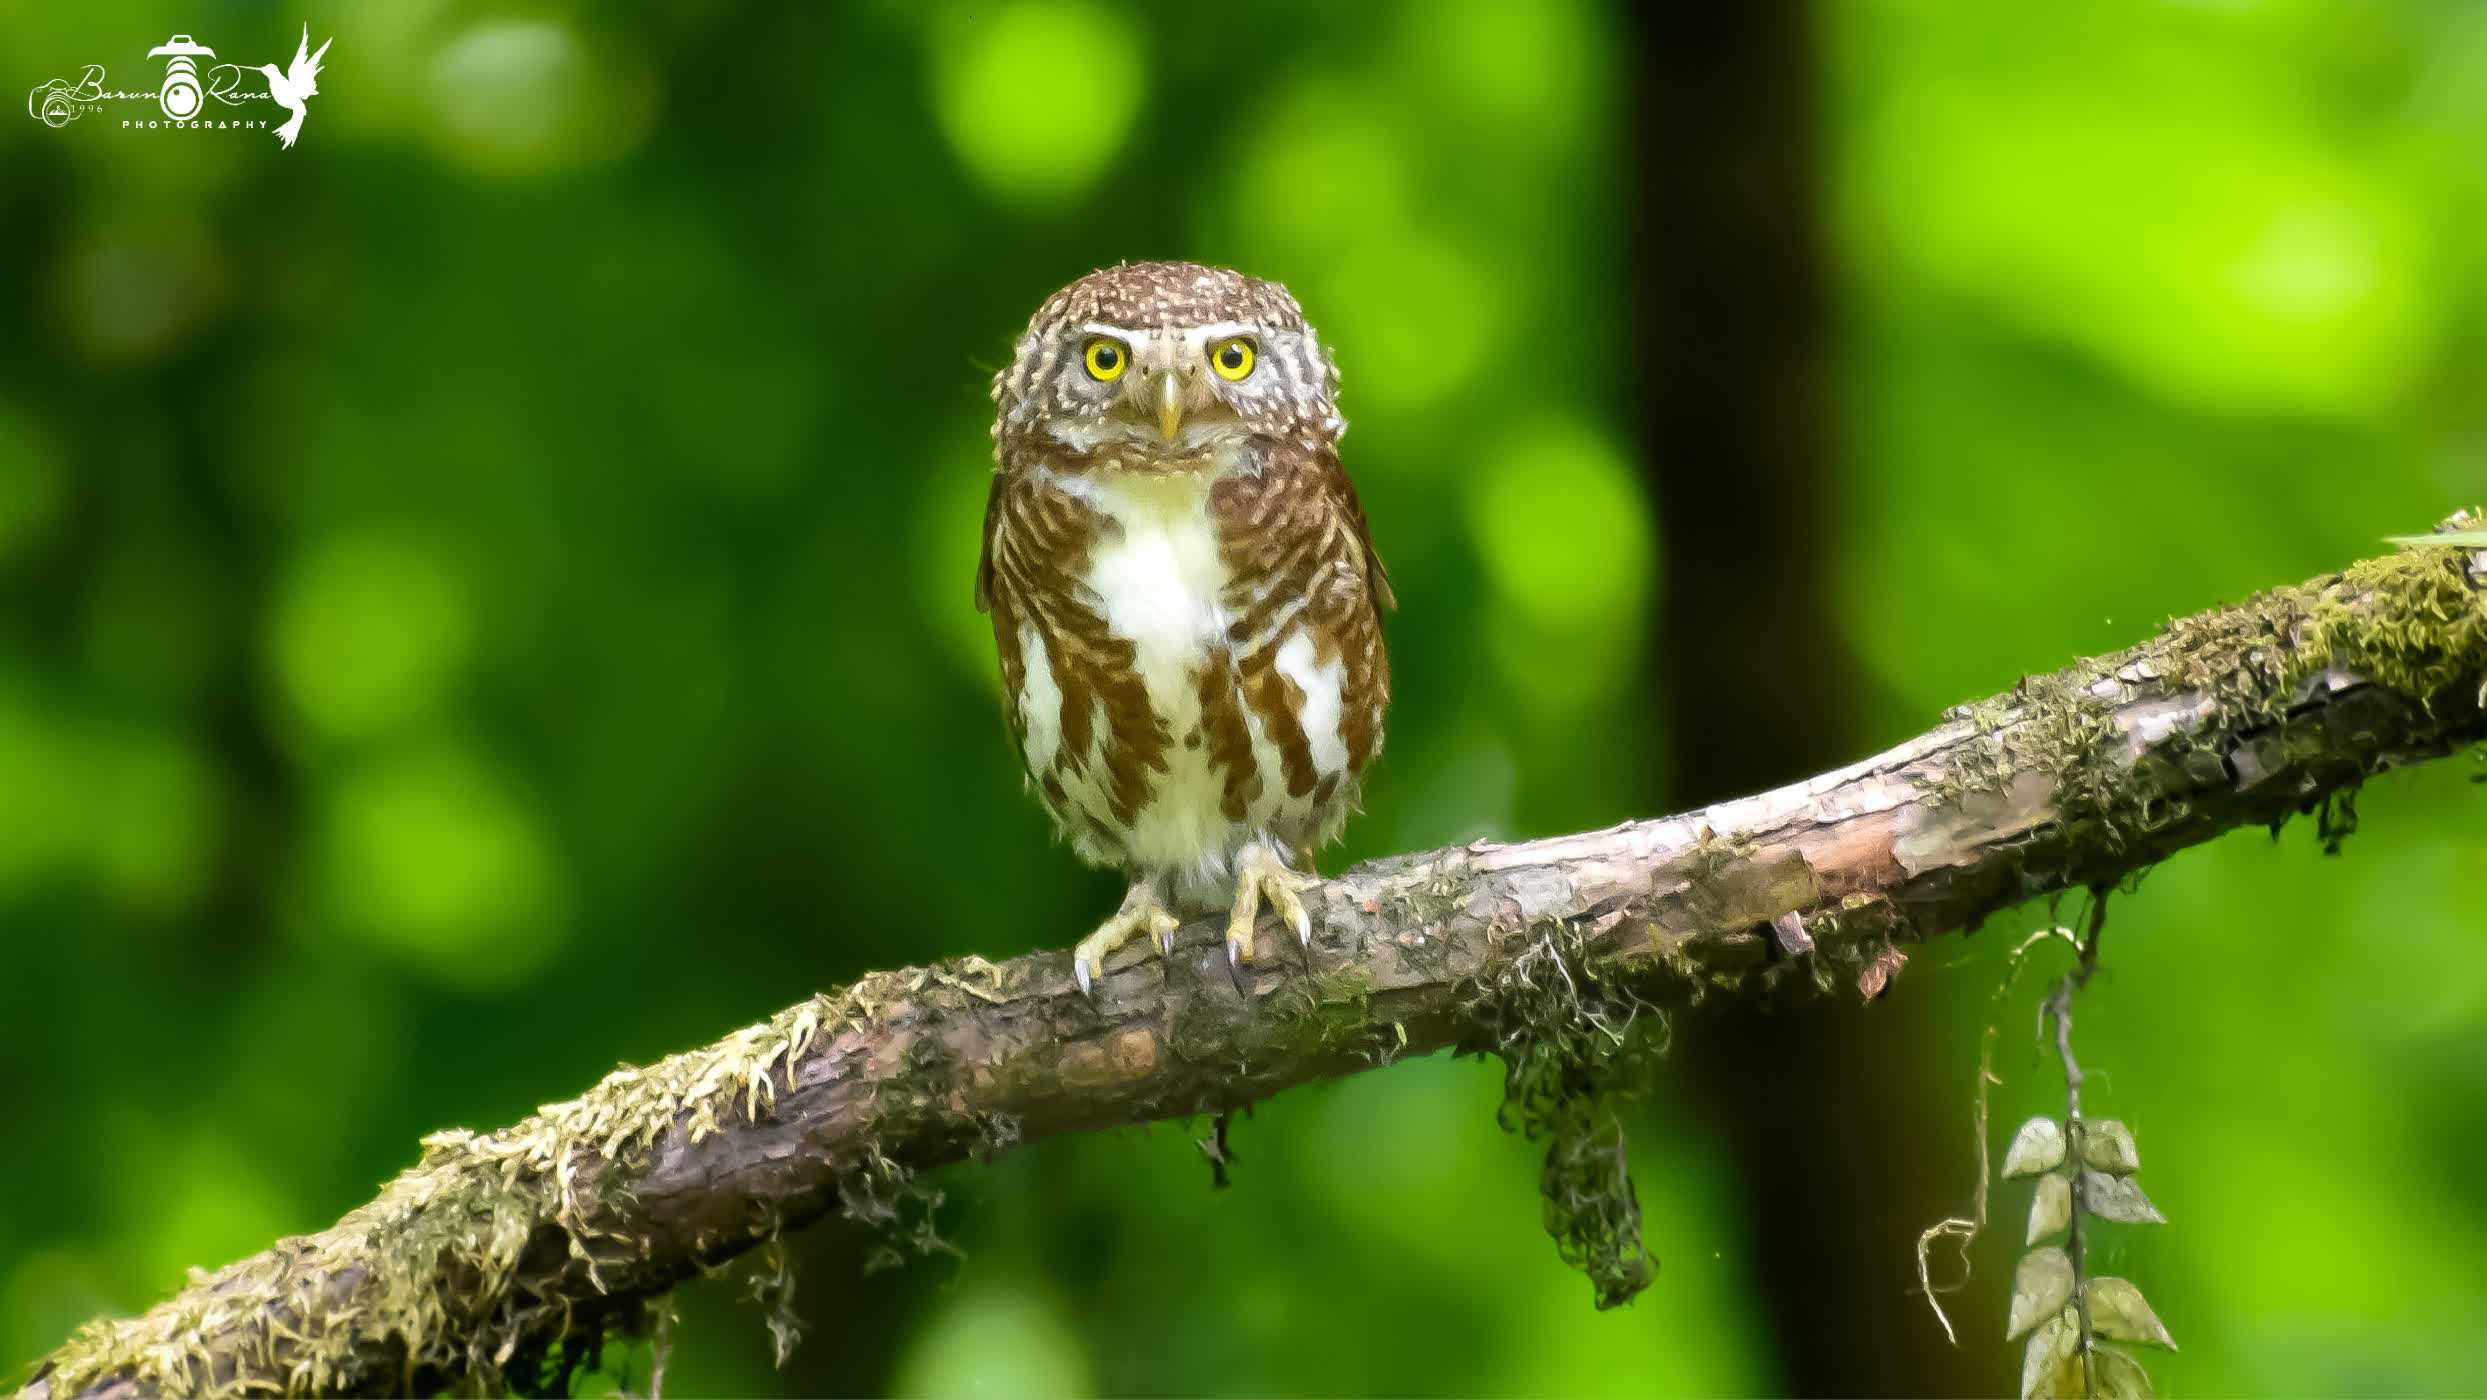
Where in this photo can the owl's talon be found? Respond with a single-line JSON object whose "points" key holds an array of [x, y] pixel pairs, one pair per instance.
{"points": [[1239, 930], [1292, 909], [1260, 873], [1143, 912]]}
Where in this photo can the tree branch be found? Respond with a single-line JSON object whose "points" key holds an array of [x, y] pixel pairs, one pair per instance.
{"points": [[480, 1262]]}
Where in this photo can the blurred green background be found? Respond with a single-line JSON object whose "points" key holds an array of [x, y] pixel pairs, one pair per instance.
{"points": [[484, 595]]}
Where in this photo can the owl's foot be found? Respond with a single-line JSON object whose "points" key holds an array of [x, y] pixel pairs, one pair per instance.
{"points": [[1260, 872], [1144, 911]]}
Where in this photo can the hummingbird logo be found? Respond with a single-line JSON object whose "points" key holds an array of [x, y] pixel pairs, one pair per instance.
{"points": [[296, 86]]}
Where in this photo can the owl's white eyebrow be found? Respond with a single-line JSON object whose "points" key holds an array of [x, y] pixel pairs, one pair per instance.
{"points": [[1214, 330]]}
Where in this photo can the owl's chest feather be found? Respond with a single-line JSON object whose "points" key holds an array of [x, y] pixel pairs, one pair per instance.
{"points": [[1158, 577], [1181, 778], [1206, 674]]}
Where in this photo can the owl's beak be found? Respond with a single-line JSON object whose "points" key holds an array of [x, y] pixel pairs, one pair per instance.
{"points": [[1169, 396]]}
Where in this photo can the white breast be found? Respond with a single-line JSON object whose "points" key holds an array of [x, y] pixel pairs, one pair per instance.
{"points": [[1160, 578]]}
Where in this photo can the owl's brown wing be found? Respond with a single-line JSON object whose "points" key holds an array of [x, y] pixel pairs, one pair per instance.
{"points": [[1376, 576], [1036, 547], [984, 557], [1036, 543], [1300, 562]]}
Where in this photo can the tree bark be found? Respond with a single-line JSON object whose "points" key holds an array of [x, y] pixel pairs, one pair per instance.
{"points": [[495, 1250]]}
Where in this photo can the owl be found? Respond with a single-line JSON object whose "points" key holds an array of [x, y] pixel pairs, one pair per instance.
{"points": [[1184, 594]]}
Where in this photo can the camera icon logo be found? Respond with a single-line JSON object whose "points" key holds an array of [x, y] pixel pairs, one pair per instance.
{"points": [[51, 104], [57, 103], [181, 96]]}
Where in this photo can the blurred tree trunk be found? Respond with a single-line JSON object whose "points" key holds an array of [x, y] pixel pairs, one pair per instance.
{"points": [[1734, 393]]}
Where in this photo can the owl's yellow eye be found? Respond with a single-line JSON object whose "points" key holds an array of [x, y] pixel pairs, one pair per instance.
{"points": [[1106, 359], [1233, 358]]}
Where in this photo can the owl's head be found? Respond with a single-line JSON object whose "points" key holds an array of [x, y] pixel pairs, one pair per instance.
{"points": [[1159, 366]]}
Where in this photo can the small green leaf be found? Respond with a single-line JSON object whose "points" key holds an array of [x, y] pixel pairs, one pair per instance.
{"points": [[2119, 1374], [2118, 1310], [2051, 1368], [2037, 1146], [2117, 1198], [2457, 539], [2040, 1289], [2050, 1209], [2108, 1145]]}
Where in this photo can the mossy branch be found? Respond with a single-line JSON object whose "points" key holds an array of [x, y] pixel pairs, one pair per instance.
{"points": [[497, 1254]]}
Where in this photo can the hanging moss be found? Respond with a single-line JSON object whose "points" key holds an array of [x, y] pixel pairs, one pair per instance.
{"points": [[1572, 1041]]}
